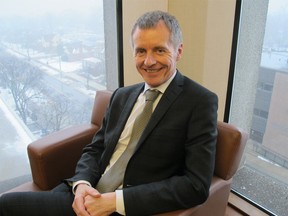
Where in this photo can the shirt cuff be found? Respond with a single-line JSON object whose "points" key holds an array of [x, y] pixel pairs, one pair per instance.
{"points": [[75, 184], [120, 208]]}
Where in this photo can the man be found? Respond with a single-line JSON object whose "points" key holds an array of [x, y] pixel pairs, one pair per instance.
{"points": [[172, 164]]}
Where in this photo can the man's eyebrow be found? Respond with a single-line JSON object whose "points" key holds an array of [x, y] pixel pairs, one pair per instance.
{"points": [[139, 49], [160, 47]]}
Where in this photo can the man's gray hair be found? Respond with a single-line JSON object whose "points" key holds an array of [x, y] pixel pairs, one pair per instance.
{"points": [[151, 19]]}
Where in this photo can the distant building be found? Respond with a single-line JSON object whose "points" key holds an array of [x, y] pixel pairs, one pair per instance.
{"points": [[276, 135], [269, 127]]}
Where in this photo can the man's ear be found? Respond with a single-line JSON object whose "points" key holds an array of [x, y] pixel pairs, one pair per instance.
{"points": [[179, 52]]}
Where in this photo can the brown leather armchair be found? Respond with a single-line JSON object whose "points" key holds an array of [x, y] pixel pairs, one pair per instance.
{"points": [[54, 157]]}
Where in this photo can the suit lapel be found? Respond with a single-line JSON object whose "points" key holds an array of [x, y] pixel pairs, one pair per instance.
{"points": [[126, 111], [169, 96], [132, 97], [128, 107]]}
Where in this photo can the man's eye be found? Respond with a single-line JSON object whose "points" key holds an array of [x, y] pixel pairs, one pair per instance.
{"points": [[160, 51], [140, 52]]}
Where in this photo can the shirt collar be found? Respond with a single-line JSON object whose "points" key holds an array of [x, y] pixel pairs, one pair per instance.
{"points": [[163, 86]]}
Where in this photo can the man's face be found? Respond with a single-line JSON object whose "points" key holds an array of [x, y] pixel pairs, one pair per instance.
{"points": [[154, 55]]}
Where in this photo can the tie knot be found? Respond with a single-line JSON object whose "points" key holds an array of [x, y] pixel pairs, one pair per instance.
{"points": [[151, 95]]}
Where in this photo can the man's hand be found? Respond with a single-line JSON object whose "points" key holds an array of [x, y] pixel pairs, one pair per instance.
{"points": [[81, 192], [101, 205]]}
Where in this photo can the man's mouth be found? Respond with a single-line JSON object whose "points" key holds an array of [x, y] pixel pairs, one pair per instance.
{"points": [[152, 70]]}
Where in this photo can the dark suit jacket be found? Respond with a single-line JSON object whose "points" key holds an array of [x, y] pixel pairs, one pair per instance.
{"points": [[173, 164]]}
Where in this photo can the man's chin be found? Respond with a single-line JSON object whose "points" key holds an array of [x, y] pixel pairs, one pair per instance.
{"points": [[153, 83]]}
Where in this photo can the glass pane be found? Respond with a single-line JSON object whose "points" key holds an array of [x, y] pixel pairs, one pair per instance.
{"points": [[52, 61], [260, 103]]}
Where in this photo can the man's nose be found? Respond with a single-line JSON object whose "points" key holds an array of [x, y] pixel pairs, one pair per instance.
{"points": [[149, 60]]}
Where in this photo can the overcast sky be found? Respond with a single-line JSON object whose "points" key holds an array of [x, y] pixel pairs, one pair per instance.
{"points": [[36, 7], [276, 6], [40, 7]]}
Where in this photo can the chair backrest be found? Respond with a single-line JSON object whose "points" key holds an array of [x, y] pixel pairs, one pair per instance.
{"points": [[231, 142], [101, 102]]}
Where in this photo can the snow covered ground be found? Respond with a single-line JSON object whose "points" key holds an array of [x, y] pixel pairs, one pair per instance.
{"points": [[13, 143]]}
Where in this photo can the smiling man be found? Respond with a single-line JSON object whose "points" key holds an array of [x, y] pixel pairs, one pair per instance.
{"points": [[155, 53], [136, 168]]}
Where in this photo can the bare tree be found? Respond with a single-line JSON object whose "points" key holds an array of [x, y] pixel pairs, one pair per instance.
{"points": [[82, 112], [53, 115], [22, 79], [48, 109]]}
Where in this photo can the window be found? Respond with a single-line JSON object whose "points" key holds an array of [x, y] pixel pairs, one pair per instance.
{"points": [[259, 103], [52, 61]]}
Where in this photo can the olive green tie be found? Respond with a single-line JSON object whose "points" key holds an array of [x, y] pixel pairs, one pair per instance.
{"points": [[113, 178]]}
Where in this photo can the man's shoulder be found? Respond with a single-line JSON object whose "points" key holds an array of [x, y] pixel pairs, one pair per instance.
{"points": [[129, 89], [123, 93], [193, 87]]}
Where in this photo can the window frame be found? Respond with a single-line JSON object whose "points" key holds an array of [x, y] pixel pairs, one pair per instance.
{"points": [[230, 86]]}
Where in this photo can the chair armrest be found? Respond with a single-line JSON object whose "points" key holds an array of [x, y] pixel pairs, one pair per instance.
{"points": [[231, 142], [54, 157]]}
